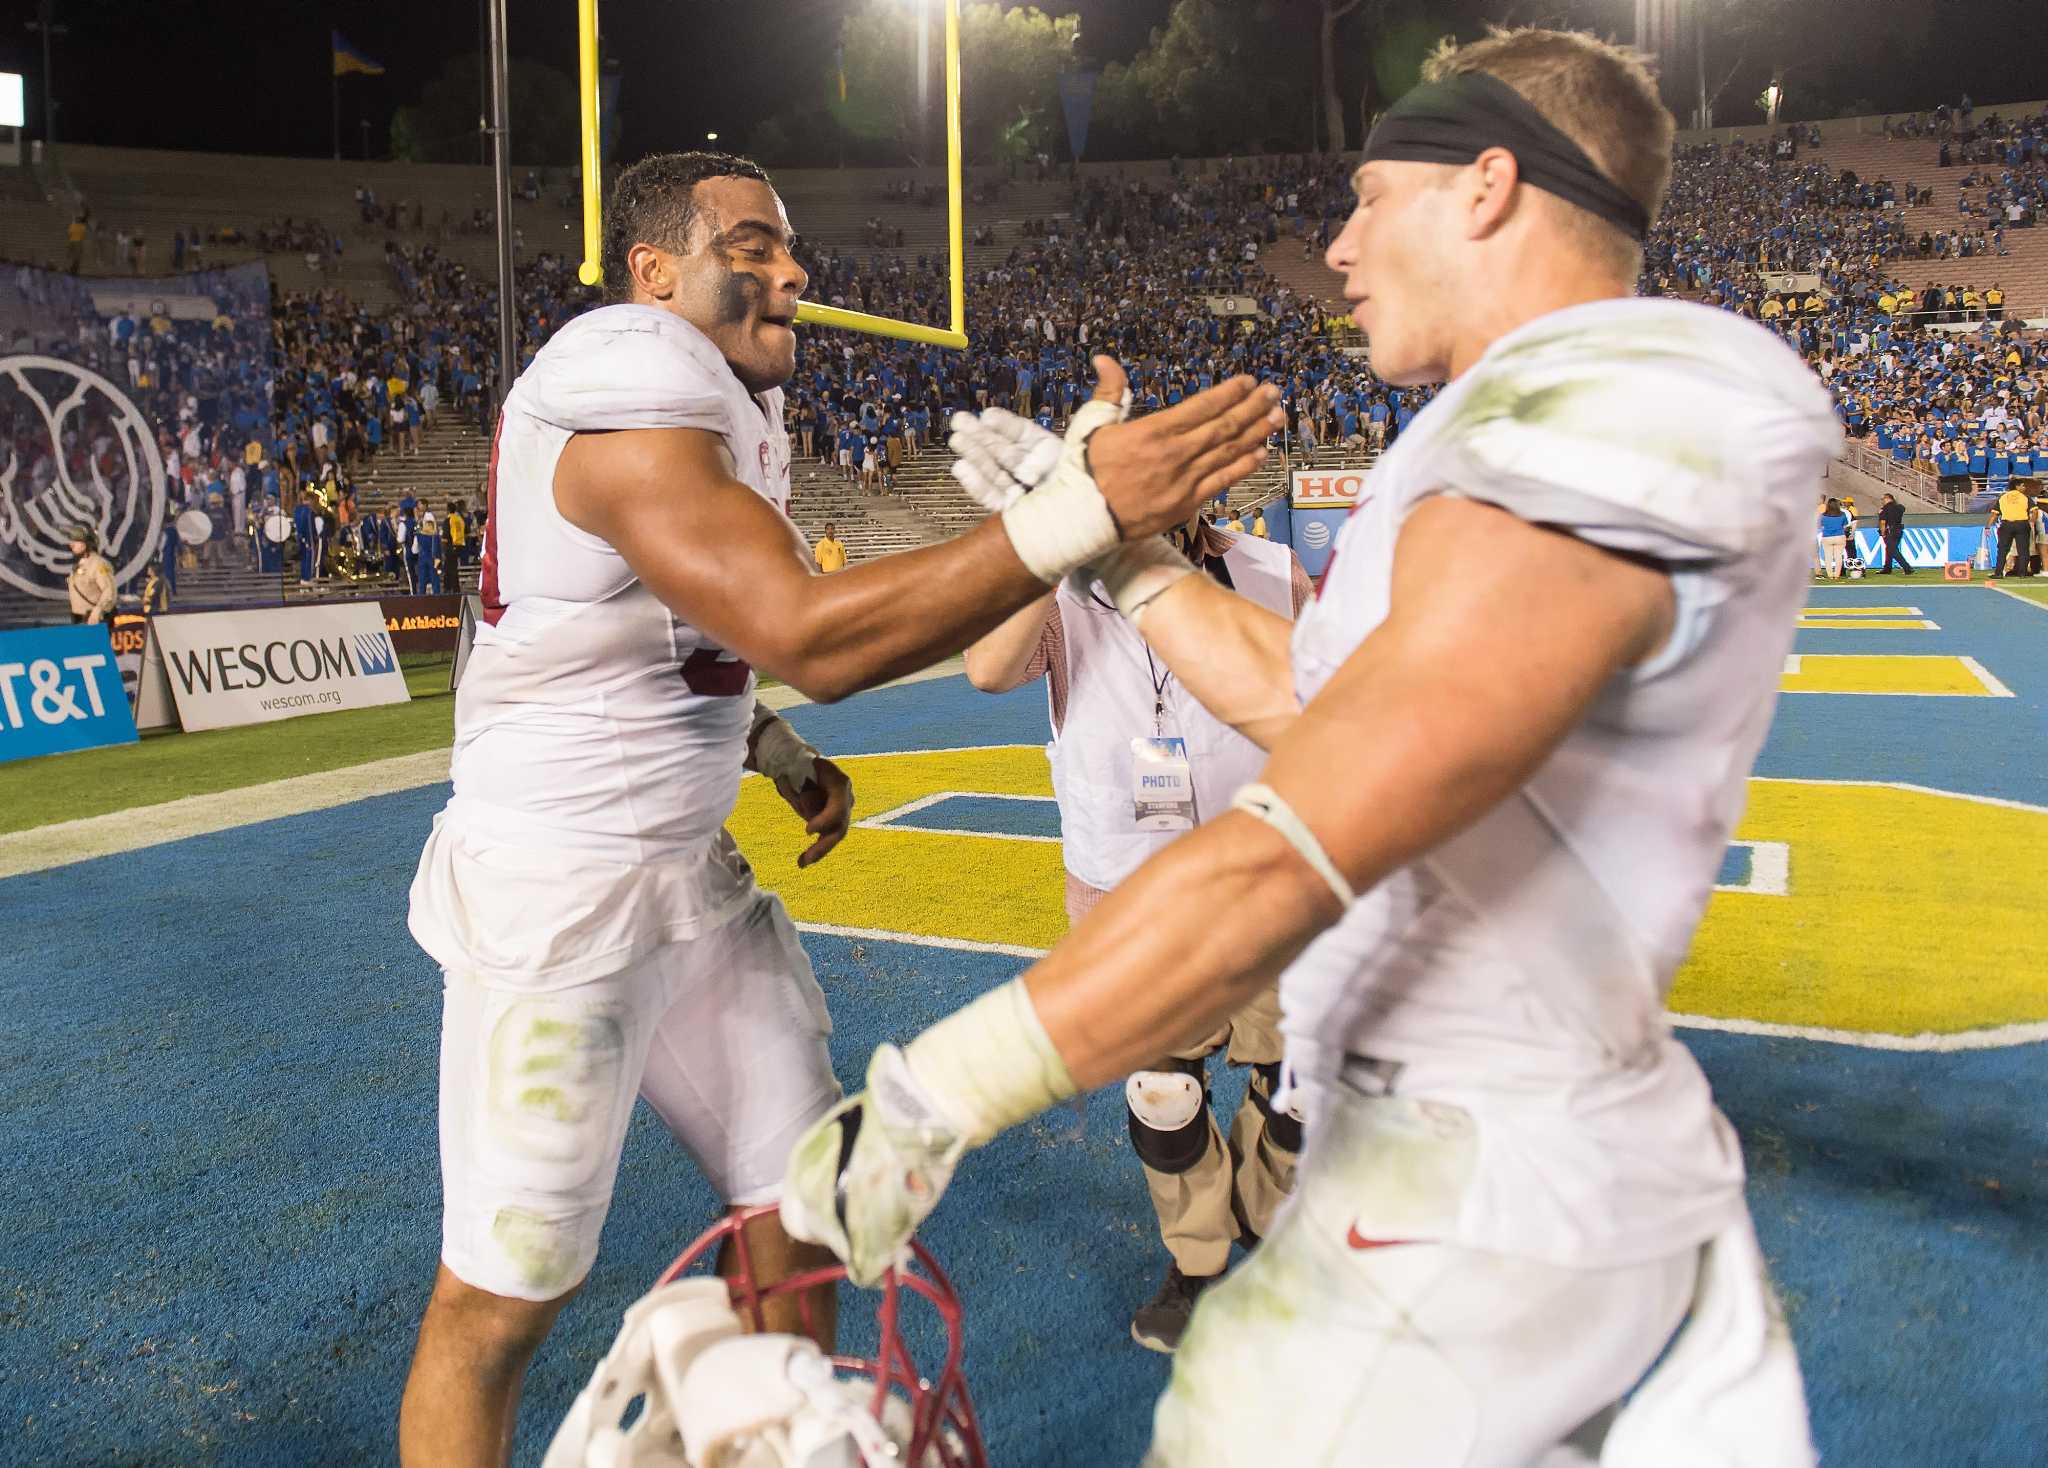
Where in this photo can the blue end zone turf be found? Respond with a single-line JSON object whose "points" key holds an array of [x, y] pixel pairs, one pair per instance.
{"points": [[1736, 866], [217, 1074], [224, 1190], [987, 814]]}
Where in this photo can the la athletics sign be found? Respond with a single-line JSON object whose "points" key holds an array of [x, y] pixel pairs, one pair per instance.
{"points": [[227, 668]]}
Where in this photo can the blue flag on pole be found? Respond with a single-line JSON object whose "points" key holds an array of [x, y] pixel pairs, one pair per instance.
{"points": [[351, 61]]}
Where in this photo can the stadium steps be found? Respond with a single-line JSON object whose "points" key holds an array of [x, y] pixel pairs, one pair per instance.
{"points": [[2022, 274], [869, 525], [164, 192], [32, 232], [453, 463], [1310, 279], [928, 488], [19, 609]]}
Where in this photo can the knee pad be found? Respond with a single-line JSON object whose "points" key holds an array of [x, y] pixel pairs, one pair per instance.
{"points": [[1283, 1128], [1169, 1115]]}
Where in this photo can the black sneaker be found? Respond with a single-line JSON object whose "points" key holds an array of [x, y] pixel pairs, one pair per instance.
{"points": [[1163, 1319]]}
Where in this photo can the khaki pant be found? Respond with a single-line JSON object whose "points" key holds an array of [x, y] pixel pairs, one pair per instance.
{"points": [[1232, 1193]]}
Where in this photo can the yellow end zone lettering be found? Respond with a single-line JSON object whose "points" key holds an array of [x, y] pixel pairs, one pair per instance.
{"points": [[1904, 675], [1814, 923], [1884, 936], [1860, 612], [1868, 624]]}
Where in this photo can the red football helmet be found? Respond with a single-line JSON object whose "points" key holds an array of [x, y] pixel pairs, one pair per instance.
{"points": [[908, 1421]]}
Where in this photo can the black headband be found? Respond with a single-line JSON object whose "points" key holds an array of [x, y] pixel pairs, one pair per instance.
{"points": [[1456, 120]]}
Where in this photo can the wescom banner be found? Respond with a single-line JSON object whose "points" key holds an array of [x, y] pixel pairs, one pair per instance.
{"points": [[228, 668], [60, 690]]}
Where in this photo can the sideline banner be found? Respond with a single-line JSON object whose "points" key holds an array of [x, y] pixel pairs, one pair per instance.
{"points": [[1926, 547], [128, 630], [422, 623], [60, 690], [228, 668], [1322, 500], [1326, 489]]}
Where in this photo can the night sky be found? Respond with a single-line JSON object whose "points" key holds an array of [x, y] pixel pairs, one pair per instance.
{"points": [[231, 75]]}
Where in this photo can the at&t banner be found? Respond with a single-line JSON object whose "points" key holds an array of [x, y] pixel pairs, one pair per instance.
{"points": [[60, 690]]}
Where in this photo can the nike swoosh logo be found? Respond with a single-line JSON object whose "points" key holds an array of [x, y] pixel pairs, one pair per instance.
{"points": [[1358, 1241]]}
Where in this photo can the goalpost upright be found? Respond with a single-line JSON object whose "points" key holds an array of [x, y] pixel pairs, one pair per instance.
{"points": [[591, 272]]}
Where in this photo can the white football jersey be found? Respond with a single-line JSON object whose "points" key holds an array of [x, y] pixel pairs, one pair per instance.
{"points": [[590, 717], [1520, 970]]}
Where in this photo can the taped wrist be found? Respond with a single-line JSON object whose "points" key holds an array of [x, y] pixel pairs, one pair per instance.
{"points": [[990, 1065], [1265, 803], [1136, 574], [1066, 523], [778, 751]]}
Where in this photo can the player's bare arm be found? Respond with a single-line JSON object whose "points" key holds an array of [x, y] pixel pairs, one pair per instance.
{"points": [[1404, 748], [727, 561], [997, 663], [1229, 652]]}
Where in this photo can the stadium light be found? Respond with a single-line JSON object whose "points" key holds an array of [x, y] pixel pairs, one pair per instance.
{"points": [[711, 137]]}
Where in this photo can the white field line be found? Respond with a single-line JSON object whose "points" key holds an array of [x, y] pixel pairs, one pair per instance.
{"points": [[1850, 624], [1858, 611], [88, 837], [2028, 601], [1991, 684], [1998, 1037], [200, 815]]}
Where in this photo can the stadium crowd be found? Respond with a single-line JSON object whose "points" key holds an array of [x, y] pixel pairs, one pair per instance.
{"points": [[1139, 270], [1937, 376], [1162, 272]]}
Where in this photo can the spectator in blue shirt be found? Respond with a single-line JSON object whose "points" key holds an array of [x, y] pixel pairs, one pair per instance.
{"points": [[426, 556], [1834, 539]]}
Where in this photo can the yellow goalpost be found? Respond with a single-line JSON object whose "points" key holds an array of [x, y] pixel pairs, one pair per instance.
{"points": [[591, 272]]}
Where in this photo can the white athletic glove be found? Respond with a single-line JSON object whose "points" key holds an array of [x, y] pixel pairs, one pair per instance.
{"points": [[865, 1176], [1003, 457], [1065, 522]]}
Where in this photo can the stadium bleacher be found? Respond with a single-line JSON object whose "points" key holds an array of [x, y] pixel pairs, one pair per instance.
{"points": [[1125, 247]]}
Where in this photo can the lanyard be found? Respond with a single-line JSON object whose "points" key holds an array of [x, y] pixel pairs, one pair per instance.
{"points": [[1159, 682], [1159, 679]]}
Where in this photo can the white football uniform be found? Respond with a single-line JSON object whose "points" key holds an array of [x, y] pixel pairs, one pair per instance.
{"points": [[599, 932], [1492, 1090]]}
